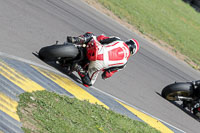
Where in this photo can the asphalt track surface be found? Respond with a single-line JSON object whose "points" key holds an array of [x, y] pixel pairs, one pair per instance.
{"points": [[26, 26]]}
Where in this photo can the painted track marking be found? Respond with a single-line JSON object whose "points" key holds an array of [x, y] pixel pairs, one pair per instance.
{"points": [[18, 79], [68, 85], [9, 106], [151, 121]]}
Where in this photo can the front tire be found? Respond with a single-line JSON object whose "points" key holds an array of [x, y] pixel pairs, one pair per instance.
{"points": [[171, 91], [54, 52]]}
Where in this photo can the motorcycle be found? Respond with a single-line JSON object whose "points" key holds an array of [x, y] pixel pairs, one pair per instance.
{"points": [[187, 93], [67, 54]]}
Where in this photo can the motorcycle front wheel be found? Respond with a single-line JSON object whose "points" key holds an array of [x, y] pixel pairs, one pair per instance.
{"points": [[172, 91]]}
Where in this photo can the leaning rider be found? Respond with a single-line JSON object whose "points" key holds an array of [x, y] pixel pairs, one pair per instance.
{"points": [[113, 56]]}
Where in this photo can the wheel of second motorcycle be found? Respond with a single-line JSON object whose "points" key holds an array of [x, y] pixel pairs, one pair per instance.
{"points": [[53, 52], [170, 92]]}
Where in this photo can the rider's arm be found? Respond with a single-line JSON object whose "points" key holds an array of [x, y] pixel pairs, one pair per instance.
{"points": [[110, 71], [106, 40], [82, 39]]}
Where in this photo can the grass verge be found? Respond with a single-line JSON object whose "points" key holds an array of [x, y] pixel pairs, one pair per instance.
{"points": [[48, 112], [171, 21]]}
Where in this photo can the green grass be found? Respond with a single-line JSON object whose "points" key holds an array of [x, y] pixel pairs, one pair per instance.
{"points": [[48, 112], [171, 21]]}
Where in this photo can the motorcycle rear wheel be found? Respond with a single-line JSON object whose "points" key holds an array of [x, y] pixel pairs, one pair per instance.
{"points": [[54, 52], [172, 91]]}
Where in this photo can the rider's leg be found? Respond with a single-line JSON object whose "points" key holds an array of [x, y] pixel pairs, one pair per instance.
{"points": [[94, 69], [84, 76]]}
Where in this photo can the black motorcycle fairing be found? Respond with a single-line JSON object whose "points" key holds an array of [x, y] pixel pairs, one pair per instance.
{"points": [[197, 88]]}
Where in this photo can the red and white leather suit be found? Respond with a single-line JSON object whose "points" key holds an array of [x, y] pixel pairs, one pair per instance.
{"points": [[113, 54]]}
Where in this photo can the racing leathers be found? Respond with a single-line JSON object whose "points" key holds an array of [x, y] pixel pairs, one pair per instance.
{"points": [[112, 56]]}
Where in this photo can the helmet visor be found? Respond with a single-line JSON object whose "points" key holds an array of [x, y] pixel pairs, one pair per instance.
{"points": [[132, 46]]}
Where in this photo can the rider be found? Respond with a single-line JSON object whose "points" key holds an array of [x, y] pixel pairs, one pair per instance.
{"points": [[113, 56]]}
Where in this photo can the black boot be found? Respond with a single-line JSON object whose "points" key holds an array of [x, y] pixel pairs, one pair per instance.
{"points": [[84, 76]]}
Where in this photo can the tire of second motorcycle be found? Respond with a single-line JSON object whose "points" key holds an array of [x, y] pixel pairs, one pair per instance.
{"points": [[53, 52], [170, 92]]}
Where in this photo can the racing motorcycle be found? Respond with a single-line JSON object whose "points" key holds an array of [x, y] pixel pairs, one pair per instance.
{"points": [[67, 54], [188, 93]]}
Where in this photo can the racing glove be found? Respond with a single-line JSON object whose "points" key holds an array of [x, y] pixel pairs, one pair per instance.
{"points": [[85, 38], [78, 40]]}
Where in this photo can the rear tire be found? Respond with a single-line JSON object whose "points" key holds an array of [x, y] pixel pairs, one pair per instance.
{"points": [[171, 91], [54, 52]]}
